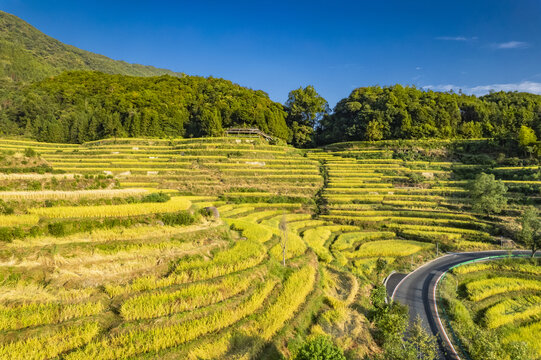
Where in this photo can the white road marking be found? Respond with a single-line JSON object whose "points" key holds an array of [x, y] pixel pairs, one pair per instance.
{"points": [[440, 325]]}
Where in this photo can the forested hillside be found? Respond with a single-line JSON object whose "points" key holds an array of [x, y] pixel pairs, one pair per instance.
{"points": [[27, 55], [82, 106], [397, 112], [48, 93]]}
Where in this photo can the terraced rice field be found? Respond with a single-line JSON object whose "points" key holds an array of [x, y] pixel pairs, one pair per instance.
{"points": [[108, 251], [110, 256], [499, 298], [372, 192], [151, 290], [203, 167]]}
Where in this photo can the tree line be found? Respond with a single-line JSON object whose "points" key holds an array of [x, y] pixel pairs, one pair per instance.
{"points": [[79, 106], [401, 112]]}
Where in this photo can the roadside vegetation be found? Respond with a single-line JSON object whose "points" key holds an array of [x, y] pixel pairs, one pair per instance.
{"points": [[493, 308]]}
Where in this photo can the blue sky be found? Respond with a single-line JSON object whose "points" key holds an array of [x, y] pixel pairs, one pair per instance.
{"points": [[276, 46]]}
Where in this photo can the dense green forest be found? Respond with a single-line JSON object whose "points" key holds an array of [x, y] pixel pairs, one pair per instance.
{"points": [[28, 55], [47, 92], [82, 106], [398, 112]]}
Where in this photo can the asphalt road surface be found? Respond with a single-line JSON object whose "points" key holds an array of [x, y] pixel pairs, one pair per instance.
{"points": [[417, 290]]}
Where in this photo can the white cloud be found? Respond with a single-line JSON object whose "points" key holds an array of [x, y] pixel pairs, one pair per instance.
{"points": [[441, 87], [418, 68], [346, 66], [452, 38], [456, 38], [524, 86], [511, 45]]}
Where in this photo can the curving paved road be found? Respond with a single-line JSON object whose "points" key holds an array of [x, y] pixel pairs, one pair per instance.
{"points": [[417, 290]]}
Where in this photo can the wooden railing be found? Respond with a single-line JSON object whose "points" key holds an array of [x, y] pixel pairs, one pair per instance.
{"points": [[248, 131]]}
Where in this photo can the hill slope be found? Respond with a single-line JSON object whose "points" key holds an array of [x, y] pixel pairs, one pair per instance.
{"points": [[135, 259], [27, 55], [79, 106]]}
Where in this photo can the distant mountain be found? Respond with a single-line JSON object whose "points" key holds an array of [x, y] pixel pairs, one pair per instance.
{"points": [[28, 55]]}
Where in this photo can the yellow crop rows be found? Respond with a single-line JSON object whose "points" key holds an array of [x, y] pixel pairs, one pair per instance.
{"points": [[175, 204], [155, 248]]}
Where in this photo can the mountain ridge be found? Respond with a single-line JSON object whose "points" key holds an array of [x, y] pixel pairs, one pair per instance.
{"points": [[29, 55]]}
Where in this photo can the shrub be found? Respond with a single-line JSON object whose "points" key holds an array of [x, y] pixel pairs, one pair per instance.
{"points": [[58, 228], [481, 159], [158, 197], [321, 348], [178, 218], [5, 209], [530, 232], [6, 234], [209, 211], [29, 152], [415, 178], [34, 185], [391, 321]]}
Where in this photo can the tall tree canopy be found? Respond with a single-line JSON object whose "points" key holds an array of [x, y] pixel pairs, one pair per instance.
{"points": [[530, 229], [398, 112], [305, 107], [81, 106], [487, 194]]}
